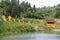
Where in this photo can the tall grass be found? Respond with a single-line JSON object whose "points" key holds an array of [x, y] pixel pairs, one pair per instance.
{"points": [[18, 25]]}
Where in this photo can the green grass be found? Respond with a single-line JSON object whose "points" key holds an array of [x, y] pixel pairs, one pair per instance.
{"points": [[11, 27], [18, 25], [58, 23]]}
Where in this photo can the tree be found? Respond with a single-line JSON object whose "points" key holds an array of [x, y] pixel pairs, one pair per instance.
{"points": [[10, 7], [57, 14]]}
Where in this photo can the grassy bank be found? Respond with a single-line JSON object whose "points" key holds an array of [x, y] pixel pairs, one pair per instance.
{"points": [[20, 25], [58, 23]]}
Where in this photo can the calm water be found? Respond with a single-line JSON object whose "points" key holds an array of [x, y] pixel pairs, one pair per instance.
{"points": [[31, 36]]}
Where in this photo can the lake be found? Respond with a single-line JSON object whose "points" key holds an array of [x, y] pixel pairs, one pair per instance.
{"points": [[31, 36]]}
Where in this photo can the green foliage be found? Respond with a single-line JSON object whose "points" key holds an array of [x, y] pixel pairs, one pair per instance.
{"points": [[14, 9], [17, 10], [26, 25], [2, 28], [12, 27], [49, 29], [58, 23], [25, 28]]}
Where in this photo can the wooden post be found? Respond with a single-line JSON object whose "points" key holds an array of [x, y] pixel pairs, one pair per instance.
{"points": [[22, 19]]}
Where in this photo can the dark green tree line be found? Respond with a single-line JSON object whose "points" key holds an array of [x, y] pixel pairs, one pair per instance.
{"points": [[16, 9]]}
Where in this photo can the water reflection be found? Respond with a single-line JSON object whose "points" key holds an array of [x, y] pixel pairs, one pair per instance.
{"points": [[33, 36]]}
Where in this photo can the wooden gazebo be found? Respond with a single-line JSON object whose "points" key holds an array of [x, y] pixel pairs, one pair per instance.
{"points": [[50, 22]]}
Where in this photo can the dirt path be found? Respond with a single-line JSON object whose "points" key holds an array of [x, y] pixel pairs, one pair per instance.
{"points": [[37, 28], [56, 30]]}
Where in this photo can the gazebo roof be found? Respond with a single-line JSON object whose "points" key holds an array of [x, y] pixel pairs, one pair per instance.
{"points": [[49, 20]]}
